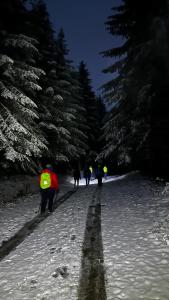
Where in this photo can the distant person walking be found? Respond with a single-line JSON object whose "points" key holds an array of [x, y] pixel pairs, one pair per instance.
{"points": [[91, 172], [87, 174], [99, 175], [76, 175], [48, 181], [105, 170]]}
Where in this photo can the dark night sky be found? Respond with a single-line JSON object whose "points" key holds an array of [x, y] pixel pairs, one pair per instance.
{"points": [[85, 33]]}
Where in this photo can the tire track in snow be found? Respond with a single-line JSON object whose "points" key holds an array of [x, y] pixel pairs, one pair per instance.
{"points": [[28, 228], [92, 281]]}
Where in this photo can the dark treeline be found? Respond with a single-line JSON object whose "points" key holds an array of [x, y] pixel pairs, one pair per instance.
{"points": [[137, 128], [48, 111]]}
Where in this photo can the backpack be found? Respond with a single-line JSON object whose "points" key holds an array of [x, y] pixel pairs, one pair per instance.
{"points": [[45, 181]]}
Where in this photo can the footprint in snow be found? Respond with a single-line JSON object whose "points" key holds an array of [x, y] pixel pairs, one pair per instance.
{"points": [[52, 250], [63, 271], [73, 237]]}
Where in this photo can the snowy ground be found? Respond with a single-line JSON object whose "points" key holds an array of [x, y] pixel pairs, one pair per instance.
{"points": [[136, 255], [49, 263], [93, 180], [14, 214], [33, 270]]}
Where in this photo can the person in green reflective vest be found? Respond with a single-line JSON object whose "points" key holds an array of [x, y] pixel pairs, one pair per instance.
{"points": [[48, 182], [105, 170], [91, 171]]}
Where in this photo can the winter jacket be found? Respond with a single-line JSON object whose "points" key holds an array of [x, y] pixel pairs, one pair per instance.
{"points": [[54, 179], [76, 174], [87, 173], [99, 172]]}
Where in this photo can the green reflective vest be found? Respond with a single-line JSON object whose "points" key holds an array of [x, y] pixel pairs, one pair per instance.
{"points": [[105, 169], [91, 169]]}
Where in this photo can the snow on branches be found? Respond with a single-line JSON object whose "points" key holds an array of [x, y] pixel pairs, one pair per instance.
{"points": [[20, 137]]}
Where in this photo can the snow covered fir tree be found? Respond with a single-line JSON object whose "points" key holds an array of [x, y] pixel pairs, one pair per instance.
{"points": [[49, 110], [53, 113]]}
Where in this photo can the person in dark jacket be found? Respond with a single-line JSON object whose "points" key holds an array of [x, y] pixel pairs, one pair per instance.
{"points": [[76, 175], [99, 174], [48, 181], [87, 174]]}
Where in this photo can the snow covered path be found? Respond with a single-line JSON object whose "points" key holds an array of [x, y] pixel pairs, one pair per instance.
{"points": [[47, 264], [136, 256], [111, 243], [15, 214]]}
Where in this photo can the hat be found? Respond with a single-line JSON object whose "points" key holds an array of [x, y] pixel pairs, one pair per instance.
{"points": [[48, 166]]}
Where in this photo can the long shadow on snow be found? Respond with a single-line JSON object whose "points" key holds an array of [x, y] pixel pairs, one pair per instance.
{"points": [[28, 228], [92, 281]]}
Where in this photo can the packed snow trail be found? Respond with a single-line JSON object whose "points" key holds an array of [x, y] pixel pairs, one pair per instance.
{"points": [[110, 243], [136, 257], [28, 228], [16, 213], [47, 264]]}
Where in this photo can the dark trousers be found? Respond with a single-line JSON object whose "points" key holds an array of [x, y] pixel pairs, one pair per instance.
{"points": [[87, 180], [76, 181], [47, 195], [99, 180]]}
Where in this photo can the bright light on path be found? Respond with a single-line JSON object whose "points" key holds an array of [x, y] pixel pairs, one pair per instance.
{"points": [[94, 181]]}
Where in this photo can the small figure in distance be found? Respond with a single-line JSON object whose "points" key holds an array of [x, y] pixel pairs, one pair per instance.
{"points": [[99, 175], [76, 175], [91, 172], [87, 174], [48, 181], [105, 170]]}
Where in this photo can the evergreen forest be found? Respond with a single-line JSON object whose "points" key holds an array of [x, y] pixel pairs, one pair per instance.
{"points": [[48, 109], [136, 130]]}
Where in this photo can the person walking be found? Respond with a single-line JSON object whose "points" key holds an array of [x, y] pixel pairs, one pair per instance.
{"points": [[87, 174], [99, 175], [76, 175], [91, 172], [48, 181], [105, 170]]}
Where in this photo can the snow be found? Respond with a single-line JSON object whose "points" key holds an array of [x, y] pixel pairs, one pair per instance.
{"points": [[19, 202], [29, 272], [136, 260], [15, 215], [95, 181], [135, 238]]}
